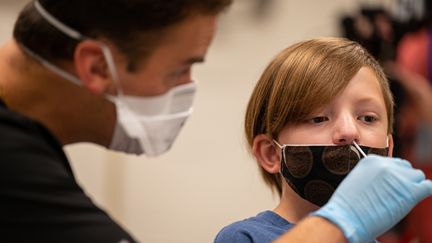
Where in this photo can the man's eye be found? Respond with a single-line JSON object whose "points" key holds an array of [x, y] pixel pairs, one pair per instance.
{"points": [[318, 119], [368, 119], [183, 70]]}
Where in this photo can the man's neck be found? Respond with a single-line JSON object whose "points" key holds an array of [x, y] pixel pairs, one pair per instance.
{"points": [[69, 111]]}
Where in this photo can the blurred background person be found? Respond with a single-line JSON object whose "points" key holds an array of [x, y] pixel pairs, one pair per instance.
{"points": [[400, 38]]}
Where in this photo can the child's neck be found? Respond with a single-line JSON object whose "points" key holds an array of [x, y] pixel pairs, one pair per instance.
{"points": [[292, 207]]}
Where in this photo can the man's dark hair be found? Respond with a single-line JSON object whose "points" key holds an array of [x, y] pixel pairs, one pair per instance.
{"points": [[134, 26]]}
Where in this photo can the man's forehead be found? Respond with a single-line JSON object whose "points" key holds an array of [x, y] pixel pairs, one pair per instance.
{"points": [[189, 43]]}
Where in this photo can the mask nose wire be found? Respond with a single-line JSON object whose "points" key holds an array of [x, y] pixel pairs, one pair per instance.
{"points": [[359, 149]]}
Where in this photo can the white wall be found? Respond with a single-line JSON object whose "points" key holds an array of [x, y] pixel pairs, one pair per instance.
{"points": [[208, 180]]}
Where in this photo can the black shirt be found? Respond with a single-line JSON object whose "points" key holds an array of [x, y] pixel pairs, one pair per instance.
{"points": [[40, 200]]}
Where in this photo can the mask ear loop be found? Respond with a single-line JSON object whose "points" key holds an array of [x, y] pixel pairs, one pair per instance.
{"points": [[56, 23], [78, 36], [282, 148], [111, 67]]}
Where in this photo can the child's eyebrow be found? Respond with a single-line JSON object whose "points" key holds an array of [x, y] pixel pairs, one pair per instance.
{"points": [[370, 100]]}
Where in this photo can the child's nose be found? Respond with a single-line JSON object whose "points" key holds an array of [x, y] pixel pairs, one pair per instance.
{"points": [[345, 130]]}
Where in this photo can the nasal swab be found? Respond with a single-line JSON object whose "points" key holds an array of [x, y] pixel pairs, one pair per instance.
{"points": [[359, 149]]}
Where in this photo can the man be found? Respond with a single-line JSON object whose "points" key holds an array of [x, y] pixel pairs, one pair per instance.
{"points": [[75, 71], [116, 73]]}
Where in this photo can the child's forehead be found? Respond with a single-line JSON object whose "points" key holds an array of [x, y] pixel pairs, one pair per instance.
{"points": [[364, 83], [364, 88]]}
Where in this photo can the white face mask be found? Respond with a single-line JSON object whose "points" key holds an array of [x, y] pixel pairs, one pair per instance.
{"points": [[144, 124], [151, 124]]}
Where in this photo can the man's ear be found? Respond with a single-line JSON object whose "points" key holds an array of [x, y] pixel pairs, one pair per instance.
{"points": [[91, 66], [390, 145], [267, 153]]}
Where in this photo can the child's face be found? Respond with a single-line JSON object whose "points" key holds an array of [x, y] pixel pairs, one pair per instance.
{"points": [[358, 113]]}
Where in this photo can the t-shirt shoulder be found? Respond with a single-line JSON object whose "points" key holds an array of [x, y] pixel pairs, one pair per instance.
{"points": [[264, 227]]}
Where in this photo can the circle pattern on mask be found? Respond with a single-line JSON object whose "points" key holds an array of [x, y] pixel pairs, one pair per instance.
{"points": [[318, 191], [299, 161], [340, 159]]}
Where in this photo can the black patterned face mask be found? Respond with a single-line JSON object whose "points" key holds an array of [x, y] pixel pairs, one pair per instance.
{"points": [[314, 172]]}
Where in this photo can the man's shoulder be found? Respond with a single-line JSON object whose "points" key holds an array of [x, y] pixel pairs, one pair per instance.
{"points": [[22, 134], [39, 190], [27, 148], [13, 124]]}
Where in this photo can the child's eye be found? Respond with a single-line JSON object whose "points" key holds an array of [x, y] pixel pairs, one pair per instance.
{"points": [[318, 119], [368, 118]]}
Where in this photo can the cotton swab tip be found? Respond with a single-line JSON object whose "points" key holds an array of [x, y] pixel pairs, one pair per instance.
{"points": [[359, 149]]}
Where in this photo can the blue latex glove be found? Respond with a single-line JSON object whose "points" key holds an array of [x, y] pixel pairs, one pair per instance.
{"points": [[376, 195]]}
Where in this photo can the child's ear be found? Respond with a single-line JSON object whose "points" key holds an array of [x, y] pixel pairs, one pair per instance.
{"points": [[267, 153], [390, 145]]}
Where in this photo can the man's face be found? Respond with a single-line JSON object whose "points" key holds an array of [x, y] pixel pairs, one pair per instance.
{"points": [[358, 113], [170, 63]]}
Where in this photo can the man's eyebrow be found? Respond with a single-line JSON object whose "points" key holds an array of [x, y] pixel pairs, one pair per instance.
{"points": [[193, 60]]}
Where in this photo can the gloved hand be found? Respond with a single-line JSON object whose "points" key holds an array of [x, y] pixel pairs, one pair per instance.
{"points": [[376, 195]]}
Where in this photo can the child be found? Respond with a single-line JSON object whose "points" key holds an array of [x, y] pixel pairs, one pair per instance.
{"points": [[313, 105]]}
